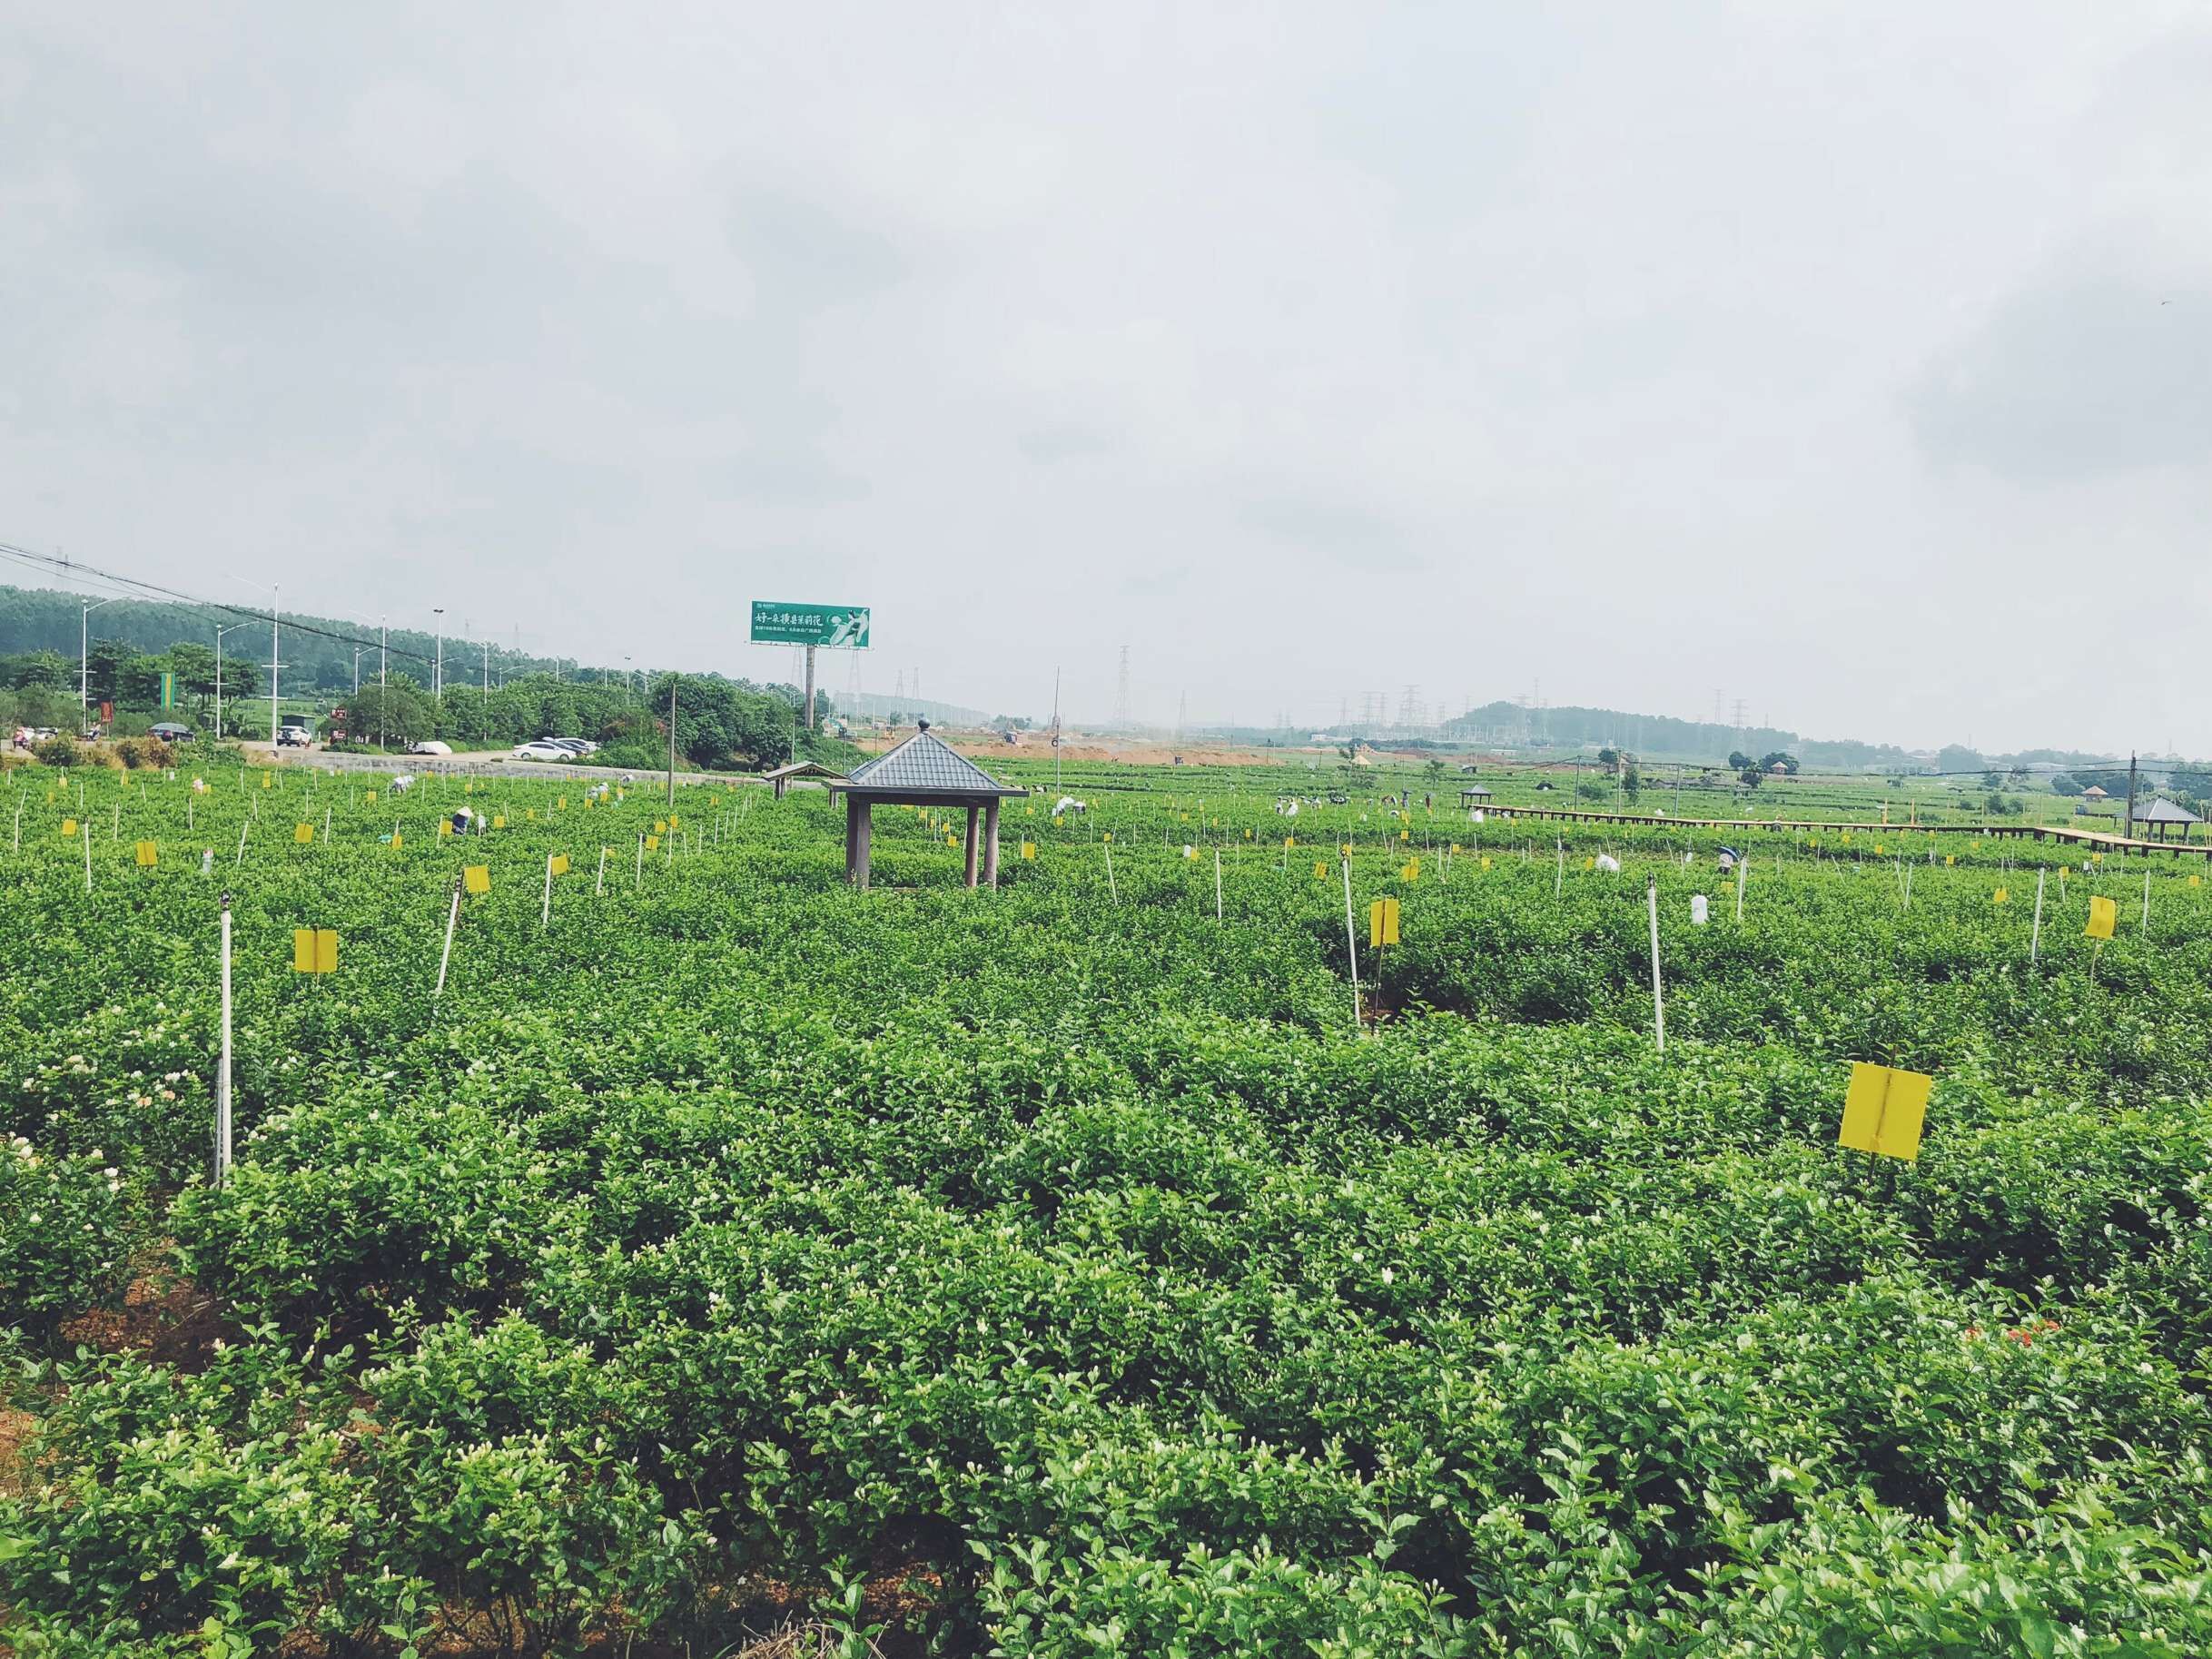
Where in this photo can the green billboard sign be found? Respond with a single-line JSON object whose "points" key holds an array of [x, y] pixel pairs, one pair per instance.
{"points": [[775, 623]]}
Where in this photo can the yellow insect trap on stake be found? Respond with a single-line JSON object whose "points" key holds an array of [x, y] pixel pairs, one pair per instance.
{"points": [[2103, 914], [560, 864], [445, 827], [475, 878], [314, 949], [1382, 924], [2001, 896], [148, 856], [1884, 1110], [1320, 870], [303, 834], [69, 829], [1029, 849], [652, 843], [498, 820]]}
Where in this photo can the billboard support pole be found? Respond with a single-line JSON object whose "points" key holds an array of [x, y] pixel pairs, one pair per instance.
{"points": [[810, 688]]}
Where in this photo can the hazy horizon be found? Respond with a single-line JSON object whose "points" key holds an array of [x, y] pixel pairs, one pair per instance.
{"points": [[1857, 366]]}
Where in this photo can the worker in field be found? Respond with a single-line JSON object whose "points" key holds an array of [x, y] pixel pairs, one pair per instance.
{"points": [[465, 821], [1728, 859]]}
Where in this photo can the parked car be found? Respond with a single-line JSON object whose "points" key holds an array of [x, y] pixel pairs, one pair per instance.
{"points": [[430, 746], [170, 731], [575, 745], [541, 750], [295, 737]]}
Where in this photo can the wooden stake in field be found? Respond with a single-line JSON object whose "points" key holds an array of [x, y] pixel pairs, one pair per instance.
{"points": [[452, 918], [222, 1063], [1351, 942], [2035, 937], [1651, 895]]}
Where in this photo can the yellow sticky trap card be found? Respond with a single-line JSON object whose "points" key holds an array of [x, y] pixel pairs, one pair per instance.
{"points": [[1382, 924], [2001, 896], [560, 864], [1884, 1110], [1029, 849], [2103, 914], [1320, 871], [147, 856], [498, 820], [314, 949], [652, 843], [475, 878], [69, 828], [303, 833], [445, 827]]}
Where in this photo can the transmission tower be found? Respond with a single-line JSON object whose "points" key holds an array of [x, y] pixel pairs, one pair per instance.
{"points": [[1182, 707], [1120, 701]]}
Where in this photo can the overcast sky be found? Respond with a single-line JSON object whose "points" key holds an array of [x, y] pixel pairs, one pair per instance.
{"points": [[1854, 361]]}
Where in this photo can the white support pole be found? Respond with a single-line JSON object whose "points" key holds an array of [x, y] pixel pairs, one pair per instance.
{"points": [[241, 841], [326, 825], [1351, 942], [1742, 865], [19, 823], [1113, 891], [222, 1065], [2035, 937], [637, 876], [545, 913], [2147, 895], [86, 825], [1217, 889], [601, 888], [452, 918], [1559, 879], [1651, 893]]}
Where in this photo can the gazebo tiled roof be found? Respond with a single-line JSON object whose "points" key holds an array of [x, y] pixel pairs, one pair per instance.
{"points": [[924, 764], [2163, 811]]}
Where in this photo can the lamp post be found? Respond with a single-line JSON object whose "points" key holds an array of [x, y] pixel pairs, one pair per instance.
{"points": [[438, 668], [357, 668], [229, 628], [85, 658], [383, 641], [276, 610]]}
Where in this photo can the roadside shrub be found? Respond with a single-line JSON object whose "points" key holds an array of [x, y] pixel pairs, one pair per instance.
{"points": [[56, 751]]}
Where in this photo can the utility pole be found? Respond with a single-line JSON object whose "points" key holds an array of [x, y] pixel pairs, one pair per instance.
{"points": [[356, 669], [672, 732], [487, 671], [2127, 829], [438, 667], [1056, 716], [383, 696], [276, 610], [810, 688]]}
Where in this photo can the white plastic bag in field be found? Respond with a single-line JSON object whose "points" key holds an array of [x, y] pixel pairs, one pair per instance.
{"points": [[1475, 816], [1608, 863], [1698, 910]]}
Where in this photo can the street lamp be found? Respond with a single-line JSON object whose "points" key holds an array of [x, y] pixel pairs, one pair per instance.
{"points": [[437, 670], [85, 658], [227, 628], [357, 670], [276, 610]]}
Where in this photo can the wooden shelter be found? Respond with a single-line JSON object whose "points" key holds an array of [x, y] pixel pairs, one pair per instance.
{"points": [[781, 778], [2162, 814], [2093, 793], [921, 772], [1474, 794]]}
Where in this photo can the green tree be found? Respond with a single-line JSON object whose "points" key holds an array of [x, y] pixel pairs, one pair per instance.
{"points": [[44, 671], [394, 715], [2065, 782]]}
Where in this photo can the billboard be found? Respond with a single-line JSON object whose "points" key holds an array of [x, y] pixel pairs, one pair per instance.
{"points": [[775, 623]]}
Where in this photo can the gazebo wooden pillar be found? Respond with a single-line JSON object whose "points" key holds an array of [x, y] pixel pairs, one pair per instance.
{"points": [[922, 772]]}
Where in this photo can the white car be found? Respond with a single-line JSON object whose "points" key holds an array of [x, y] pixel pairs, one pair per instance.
{"points": [[430, 746], [541, 751]]}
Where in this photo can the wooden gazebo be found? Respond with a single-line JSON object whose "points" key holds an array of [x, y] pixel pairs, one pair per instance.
{"points": [[781, 778], [1474, 794], [2162, 814], [921, 772]]}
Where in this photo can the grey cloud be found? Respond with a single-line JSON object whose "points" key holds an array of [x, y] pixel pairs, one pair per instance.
{"points": [[2073, 378]]}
